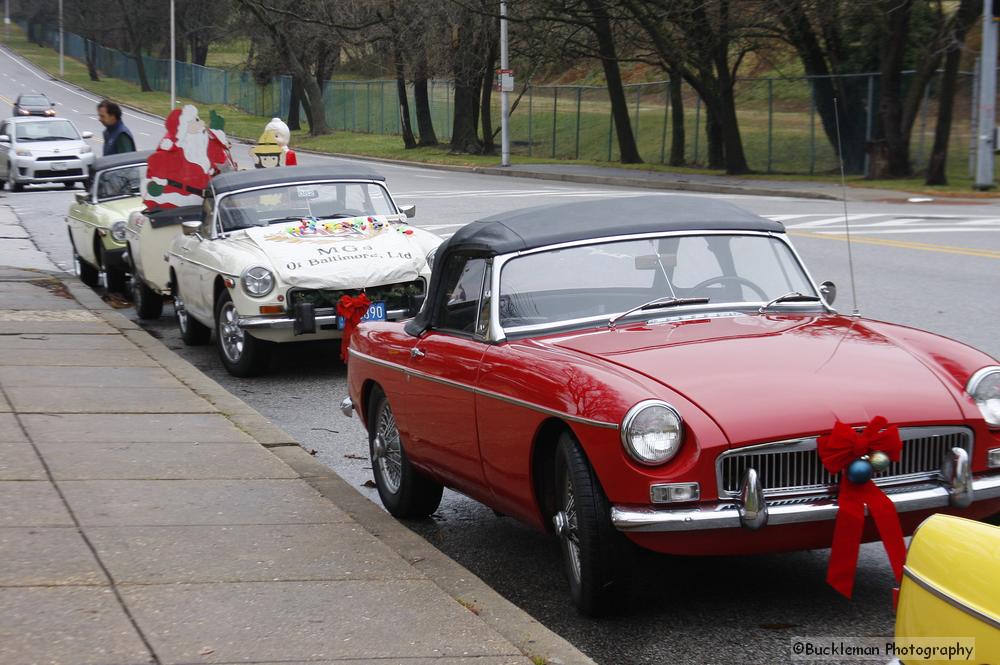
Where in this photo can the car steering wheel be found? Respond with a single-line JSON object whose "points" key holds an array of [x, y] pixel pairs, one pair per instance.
{"points": [[722, 279]]}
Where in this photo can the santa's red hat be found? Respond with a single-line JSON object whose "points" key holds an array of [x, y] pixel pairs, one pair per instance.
{"points": [[176, 123]]}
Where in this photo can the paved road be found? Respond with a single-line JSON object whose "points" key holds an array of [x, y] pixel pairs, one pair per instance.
{"points": [[930, 265]]}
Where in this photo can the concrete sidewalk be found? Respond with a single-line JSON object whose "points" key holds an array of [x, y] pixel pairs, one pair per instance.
{"points": [[148, 516]]}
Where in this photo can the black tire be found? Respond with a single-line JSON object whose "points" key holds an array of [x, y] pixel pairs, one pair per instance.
{"points": [[69, 184], [88, 274], [192, 332], [242, 354], [114, 278], [405, 492], [16, 186], [148, 303], [596, 557]]}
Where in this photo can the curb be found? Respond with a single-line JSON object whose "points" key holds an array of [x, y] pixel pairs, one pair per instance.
{"points": [[512, 623]]}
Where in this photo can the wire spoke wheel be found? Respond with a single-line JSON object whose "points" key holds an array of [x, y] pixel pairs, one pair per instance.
{"points": [[230, 333], [569, 531], [389, 450]]}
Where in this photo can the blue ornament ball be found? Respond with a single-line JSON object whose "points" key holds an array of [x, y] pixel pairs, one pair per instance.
{"points": [[859, 471]]}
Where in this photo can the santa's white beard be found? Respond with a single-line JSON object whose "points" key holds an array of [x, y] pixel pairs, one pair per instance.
{"points": [[195, 148]]}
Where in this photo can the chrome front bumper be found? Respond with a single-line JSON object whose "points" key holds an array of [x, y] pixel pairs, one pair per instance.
{"points": [[752, 511], [321, 317]]}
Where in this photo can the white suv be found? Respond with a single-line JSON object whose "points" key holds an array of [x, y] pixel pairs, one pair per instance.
{"points": [[39, 150]]}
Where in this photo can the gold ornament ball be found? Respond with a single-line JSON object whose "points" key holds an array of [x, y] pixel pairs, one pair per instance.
{"points": [[879, 461]]}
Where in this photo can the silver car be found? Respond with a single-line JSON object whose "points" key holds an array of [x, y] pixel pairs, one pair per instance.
{"points": [[39, 150]]}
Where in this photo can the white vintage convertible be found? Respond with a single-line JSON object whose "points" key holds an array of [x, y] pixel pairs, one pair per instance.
{"points": [[274, 250]]}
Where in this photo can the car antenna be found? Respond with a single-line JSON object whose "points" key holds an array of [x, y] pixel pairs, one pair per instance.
{"points": [[847, 223]]}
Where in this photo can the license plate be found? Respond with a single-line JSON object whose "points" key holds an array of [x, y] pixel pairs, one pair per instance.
{"points": [[376, 312], [59, 166]]}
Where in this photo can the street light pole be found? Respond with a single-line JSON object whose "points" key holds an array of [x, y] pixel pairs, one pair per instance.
{"points": [[173, 58], [504, 95], [62, 70], [987, 100], [6, 19]]}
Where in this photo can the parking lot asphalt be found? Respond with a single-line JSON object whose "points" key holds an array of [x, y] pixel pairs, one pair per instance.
{"points": [[151, 517]]}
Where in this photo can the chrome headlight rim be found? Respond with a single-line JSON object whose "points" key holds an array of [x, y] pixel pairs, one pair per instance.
{"points": [[246, 284], [629, 419], [975, 381], [430, 258], [117, 231]]}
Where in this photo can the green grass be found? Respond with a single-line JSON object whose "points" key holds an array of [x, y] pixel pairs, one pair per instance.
{"points": [[545, 128]]}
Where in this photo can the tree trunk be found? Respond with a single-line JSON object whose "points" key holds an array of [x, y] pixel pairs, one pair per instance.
{"points": [[713, 132], [90, 51], [897, 141], [313, 102], [464, 137], [425, 121], [140, 67], [294, 104], [936, 168], [485, 108], [676, 120], [199, 52], [404, 104], [616, 92], [735, 159]]}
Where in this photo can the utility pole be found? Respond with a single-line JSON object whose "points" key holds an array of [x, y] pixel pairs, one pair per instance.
{"points": [[987, 100], [6, 19], [62, 70], [504, 89], [173, 58]]}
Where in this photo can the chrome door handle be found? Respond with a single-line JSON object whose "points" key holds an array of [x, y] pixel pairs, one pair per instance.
{"points": [[416, 353]]}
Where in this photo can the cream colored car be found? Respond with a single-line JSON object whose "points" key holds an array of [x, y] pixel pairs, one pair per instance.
{"points": [[276, 249]]}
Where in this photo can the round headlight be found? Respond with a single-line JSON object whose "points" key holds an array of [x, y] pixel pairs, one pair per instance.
{"points": [[257, 281], [984, 388], [652, 432], [118, 231], [430, 258]]}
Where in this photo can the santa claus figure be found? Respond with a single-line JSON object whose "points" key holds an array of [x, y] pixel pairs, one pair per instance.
{"points": [[188, 156], [282, 135]]}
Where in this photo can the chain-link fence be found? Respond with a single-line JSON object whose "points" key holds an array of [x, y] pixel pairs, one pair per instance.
{"points": [[780, 127]]}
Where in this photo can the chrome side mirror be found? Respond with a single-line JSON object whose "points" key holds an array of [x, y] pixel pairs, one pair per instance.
{"points": [[409, 210], [4, 138], [87, 135], [191, 228], [82, 197], [829, 292]]}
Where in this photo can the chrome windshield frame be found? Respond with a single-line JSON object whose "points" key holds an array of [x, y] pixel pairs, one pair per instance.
{"points": [[499, 334], [218, 232]]}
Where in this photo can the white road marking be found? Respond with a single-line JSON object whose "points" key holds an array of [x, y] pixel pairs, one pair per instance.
{"points": [[429, 177], [826, 221], [915, 230]]}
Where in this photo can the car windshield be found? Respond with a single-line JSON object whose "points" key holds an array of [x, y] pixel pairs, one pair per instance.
{"points": [[119, 183], [599, 281], [296, 201], [54, 130], [33, 100]]}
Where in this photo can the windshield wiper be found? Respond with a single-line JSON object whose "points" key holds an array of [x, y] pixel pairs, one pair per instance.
{"points": [[791, 296], [658, 303], [56, 138]]}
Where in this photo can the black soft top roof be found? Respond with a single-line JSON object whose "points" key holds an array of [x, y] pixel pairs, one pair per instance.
{"points": [[123, 159], [234, 180], [527, 228]]}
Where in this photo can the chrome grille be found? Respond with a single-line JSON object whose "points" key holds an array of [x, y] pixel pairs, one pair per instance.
{"points": [[793, 467]]}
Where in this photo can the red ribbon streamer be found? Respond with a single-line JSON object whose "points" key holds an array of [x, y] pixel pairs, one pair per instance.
{"points": [[837, 450], [352, 308]]}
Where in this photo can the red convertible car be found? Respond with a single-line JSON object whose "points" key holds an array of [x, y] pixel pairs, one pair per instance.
{"points": [[658, 370]]}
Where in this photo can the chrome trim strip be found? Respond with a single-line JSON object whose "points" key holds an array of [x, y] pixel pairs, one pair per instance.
{"points": [[279, 321], [934, 590], [171, 252], [484, 393], [726, 515]]}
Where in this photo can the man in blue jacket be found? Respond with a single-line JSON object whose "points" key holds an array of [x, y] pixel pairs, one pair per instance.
{"points": [[117, 137]]}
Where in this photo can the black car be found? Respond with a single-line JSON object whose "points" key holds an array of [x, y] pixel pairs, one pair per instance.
{"points": [[34, 104]]}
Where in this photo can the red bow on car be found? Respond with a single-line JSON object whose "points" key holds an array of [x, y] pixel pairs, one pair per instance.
{"points": [[838, 450], [352, 308]]}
